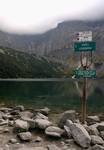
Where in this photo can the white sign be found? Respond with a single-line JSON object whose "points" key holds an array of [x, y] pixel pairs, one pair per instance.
{"points": [[84, 36]]}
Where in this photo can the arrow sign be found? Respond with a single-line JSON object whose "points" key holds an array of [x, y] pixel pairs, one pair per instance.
{"points": [[85, 73]]}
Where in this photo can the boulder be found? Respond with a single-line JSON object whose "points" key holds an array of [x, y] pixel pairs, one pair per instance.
{"points": [[32, 148], [53, 147], [25, 136], [44, 111], [96, 140], [20, 108], [92, 119], [102, 134], [97, 147], [42, 124], [40, 116], [80, 135], [20, 125], [31, 122], [13, 141], [26, 114], [93, 130], [54, 131], [67, 115], [68, 132], [100, 126]]}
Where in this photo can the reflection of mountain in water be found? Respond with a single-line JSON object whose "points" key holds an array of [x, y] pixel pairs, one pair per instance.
{"points": [[58, 95]]}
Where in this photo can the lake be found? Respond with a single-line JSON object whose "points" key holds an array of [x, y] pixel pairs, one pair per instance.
{"points": [[57, 94]]}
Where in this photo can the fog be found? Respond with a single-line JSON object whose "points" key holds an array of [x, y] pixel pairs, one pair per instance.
{"points": [[38, 16]]}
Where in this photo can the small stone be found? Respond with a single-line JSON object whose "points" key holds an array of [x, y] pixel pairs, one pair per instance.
{"points": [[45, 111], [13, 141], [67, 115], [102, 134], [97, 147], [100, 126], [54, 131], [6, 130], [25, 136], [20, 108], [92, 119], [38, 139], [53, 147], [32, 148], [96, 140], [42, 124], [40, 116]]}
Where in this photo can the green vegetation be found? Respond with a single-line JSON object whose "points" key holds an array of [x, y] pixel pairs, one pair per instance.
{"points": [[15, 64]]}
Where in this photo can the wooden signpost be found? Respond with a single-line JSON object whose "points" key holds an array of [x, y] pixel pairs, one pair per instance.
{"points": [[85, 46]]}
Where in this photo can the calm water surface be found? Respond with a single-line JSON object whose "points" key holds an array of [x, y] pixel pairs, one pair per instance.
{"points": [[56, 94]]}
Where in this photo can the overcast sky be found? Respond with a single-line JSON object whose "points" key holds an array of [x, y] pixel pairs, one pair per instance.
{"points": [[36, 16]]}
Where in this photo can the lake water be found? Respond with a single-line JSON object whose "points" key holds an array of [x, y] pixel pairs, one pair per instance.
{"points": [[57, 94]]}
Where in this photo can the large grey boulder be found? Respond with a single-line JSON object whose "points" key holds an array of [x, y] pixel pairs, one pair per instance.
{"points": [[54, 131], [25, 136], [42, 124], [97, 147], [20, 125], [67, 115], [96, 140], [80, 135]]}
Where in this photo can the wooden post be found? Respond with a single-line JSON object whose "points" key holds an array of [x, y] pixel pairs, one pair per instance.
{"points": [[84, 100]]}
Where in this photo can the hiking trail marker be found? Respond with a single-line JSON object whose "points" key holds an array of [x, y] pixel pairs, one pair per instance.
{"points": [[84, 44]]}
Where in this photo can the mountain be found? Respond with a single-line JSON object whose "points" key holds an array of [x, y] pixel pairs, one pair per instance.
{"points": [[15, 64], [56, 45], [56, 39]]}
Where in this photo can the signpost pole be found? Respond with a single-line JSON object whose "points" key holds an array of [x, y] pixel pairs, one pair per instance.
{"points": [[84, 100], [84, 45]]}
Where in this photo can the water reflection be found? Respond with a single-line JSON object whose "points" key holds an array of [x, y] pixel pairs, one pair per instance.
{"points": [[65, 94]]}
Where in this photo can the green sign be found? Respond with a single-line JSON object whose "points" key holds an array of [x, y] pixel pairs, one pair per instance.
{"points": [[85, 73], [84, 46]]}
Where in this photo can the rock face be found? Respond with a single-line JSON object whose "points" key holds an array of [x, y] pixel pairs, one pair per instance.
{"points": [[25, 136], [67, 115], [96, 140], [80, 135], [102, 134], [21, 125], [42, 124], [54, 131]]}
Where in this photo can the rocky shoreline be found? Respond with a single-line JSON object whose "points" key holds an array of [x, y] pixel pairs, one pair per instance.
{"points": [[22, 129]]}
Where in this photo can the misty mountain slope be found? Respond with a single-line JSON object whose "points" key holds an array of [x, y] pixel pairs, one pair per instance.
{"points": [[56, 39], [15, 64]]}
